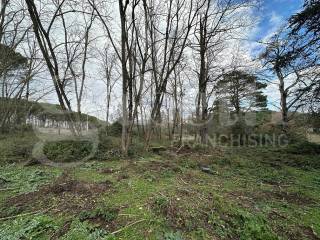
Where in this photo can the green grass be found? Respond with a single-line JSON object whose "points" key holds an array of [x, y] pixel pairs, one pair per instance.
{"points": [[20, 179], [250, 193]]}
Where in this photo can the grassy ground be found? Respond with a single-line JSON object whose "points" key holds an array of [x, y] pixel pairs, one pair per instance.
{"points": [[239, 193]]}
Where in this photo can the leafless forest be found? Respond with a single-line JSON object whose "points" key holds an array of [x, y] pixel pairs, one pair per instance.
{"points": [[168, 61]]}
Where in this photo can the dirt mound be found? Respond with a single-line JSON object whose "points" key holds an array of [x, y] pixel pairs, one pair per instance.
{"points": [[184, 149], [66, 194]]}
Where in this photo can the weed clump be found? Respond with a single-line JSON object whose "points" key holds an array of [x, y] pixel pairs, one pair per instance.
{"points": [[173, 236], [101, 212], [160, 203], [84, 230], [198, 147], [28, 228]]}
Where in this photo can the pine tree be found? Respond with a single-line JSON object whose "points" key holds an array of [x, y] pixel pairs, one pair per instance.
{"points": [[242, 91]]}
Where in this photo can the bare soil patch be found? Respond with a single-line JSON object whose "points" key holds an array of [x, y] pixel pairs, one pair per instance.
{"points": [[107, 171], [249, 198], [67, 195], [162, 166]]}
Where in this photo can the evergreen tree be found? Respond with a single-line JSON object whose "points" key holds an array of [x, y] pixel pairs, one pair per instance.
{"points": [[305, 26], [243, 91], [307, 22]]}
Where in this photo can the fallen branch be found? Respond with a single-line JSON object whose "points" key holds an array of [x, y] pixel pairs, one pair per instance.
{"points": [[129, 225], [183, 181], [180, 148], [127, 214], [8, 189]]}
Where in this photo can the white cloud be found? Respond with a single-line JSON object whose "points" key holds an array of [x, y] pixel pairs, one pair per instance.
{"points": [[276, 19], [275, 22]]}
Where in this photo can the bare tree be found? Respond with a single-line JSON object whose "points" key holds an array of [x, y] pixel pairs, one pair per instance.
{"points": [[48, 51], [60, 56], [217, 23], [132, 53], [76, 46], [4, 4], [176, 91], [110, 72], [167, 46]]}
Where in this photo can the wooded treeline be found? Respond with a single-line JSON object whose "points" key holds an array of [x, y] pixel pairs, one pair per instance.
{"points": [[155, 50]]}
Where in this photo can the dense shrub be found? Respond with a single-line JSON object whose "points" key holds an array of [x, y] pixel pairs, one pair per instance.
{"points": [[16, 129], [67, 150], [16, 147], [292, 135], [23, 128], [108, 146], [296, 135], [137, 148], [303, 147], [105, 141], [115, 129]]}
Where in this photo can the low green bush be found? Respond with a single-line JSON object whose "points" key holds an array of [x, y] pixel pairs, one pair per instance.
{"points": [[105, 142], [17, 147], [108, 146], [115, 129], [67, 150], [303, 147], [84, 230], [137, 148], [106, 213], [234, 223]]}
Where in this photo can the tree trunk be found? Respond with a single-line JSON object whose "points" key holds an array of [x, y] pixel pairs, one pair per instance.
{"points": [[125, 77], [203, 83], [283, 101]]}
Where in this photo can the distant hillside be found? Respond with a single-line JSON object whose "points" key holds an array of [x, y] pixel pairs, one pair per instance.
{"points": [[15, 112]]}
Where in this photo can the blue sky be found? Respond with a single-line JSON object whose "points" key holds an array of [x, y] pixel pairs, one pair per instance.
{"points": [[273, 13]]}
